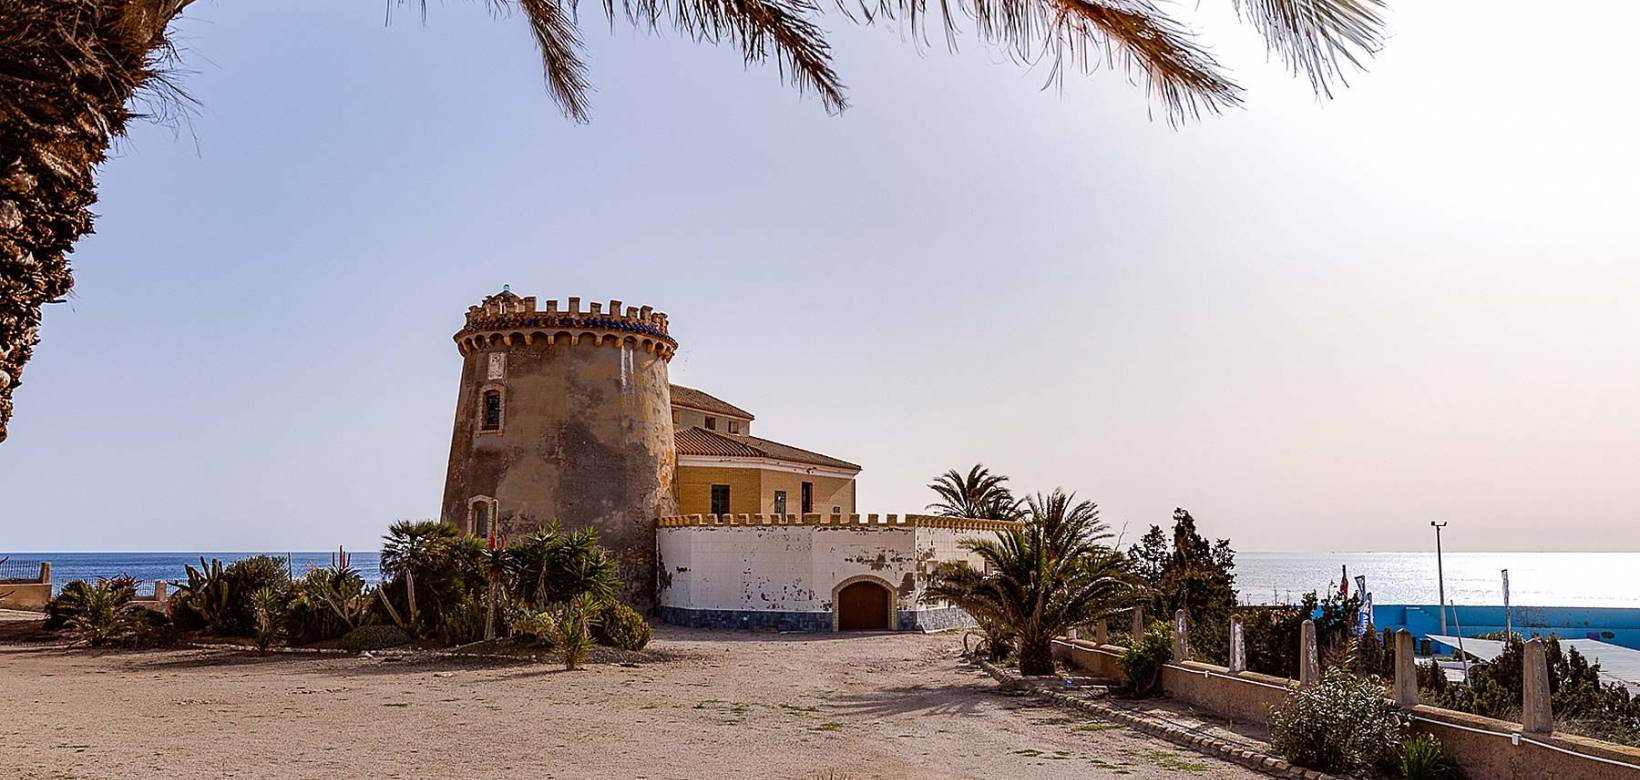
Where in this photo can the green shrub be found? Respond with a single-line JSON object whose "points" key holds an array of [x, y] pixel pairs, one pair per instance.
{"points": [[1341, 724], [246, 578], [1423, 759], [374, 638], [326, 604], [530, 626], [1142, 661], [463, 621], [621, 626], [101, 612]]}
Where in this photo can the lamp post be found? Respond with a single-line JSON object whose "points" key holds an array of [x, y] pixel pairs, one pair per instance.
{"points": [[1440, 573]]}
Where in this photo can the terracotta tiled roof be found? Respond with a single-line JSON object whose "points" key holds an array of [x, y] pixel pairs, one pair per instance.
{"points": [[706, 402], [699, 441]]}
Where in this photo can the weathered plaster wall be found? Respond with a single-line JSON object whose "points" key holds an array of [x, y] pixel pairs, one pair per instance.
{"points": [[755, 575], [586, 439]]}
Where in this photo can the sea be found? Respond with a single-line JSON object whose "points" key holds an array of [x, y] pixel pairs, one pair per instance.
{"points": [[1540, 579]]}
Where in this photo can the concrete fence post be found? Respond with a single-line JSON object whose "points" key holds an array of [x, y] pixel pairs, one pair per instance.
{"points": [[1101, 633], [1537, 714], [1181, 636], [160, 594], [45, 572], [1238, 645], [1309, 662], [1406, 670], [1138, 629]]}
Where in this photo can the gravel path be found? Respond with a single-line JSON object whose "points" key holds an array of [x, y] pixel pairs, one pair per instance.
{"points": [[712, 705]]}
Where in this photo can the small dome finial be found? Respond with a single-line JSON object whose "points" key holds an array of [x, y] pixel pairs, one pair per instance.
{"points": [[506, 288]]}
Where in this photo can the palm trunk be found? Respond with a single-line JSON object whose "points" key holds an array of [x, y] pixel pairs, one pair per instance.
{"points": [[489, 614], [410, 596], [68, 69], [1036, 655]]}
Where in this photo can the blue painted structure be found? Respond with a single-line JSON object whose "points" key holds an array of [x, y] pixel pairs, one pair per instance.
{"points": [[1617, 625]]}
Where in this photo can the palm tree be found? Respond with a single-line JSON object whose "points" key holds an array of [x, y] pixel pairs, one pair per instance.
{"points": [[981, 494], [72, 68], [411, 546], [1040, 579]]}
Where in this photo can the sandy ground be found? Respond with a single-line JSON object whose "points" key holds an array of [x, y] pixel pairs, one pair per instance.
{"points": [[712, 705]]}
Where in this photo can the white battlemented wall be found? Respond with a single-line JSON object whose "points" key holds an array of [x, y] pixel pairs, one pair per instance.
{"points": [[762, 574]]}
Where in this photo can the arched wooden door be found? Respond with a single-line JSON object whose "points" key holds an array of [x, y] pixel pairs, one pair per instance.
{"points": [[863, 606]]}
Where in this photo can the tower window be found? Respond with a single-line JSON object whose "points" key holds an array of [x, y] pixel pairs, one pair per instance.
{"points": [[492, 411], [677, 417], [734, 426], [780, 502], [720, 499], [711, 423], [481, 516], [808, 498]]}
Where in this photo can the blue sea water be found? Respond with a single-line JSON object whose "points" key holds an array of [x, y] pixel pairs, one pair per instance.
{"points": [[149, 566], [1536, 578]]}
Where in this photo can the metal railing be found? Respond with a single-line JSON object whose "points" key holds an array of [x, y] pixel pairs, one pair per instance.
{"points": [[19, 569]]}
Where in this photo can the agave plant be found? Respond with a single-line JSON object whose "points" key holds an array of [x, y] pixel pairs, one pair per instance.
{"points": [[270, 606], [570, 624], [342, 590], [980, 494], [1043, 578]]}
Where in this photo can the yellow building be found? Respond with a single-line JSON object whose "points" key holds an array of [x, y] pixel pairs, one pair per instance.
{"points": [[724, 469]]}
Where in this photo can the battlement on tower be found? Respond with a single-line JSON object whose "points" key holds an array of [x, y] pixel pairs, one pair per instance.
{"points": [[509, 319]]}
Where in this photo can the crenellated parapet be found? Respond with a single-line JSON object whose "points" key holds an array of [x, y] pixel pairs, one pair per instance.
{"points": [[506, 319], [869, 521]]}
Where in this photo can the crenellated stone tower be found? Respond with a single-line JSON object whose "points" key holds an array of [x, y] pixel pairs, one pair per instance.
{"points": [[565, 414]]}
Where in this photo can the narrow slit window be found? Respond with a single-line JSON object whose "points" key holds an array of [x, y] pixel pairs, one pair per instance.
{"points": [[492, 411], [481, 518]]}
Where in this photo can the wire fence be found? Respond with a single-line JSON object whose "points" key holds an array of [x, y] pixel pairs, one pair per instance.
{"points": [[19, 569]]}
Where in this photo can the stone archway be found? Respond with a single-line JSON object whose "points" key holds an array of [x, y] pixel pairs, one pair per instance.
{"points": [[863, 603]]}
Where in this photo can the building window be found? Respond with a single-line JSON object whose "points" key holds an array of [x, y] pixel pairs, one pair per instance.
{"points": [[808, 498], [711, 423], [780, 502], [481, 516], [490, 411], [734, 426], [720, 499], [677, 417]]}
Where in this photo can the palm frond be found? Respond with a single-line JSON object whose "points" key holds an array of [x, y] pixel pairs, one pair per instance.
{"points": [[561, 64], [782, 30], [1135, 35], [1318, 38]]}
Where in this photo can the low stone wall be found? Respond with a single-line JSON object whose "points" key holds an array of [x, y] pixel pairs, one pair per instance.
{"points": [[1484, 747], [1243, 696], [1490, 748], [30, 594], [25, 595]]}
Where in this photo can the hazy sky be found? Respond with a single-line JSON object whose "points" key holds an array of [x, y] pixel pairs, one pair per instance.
{"points": [[1318, 326]]}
